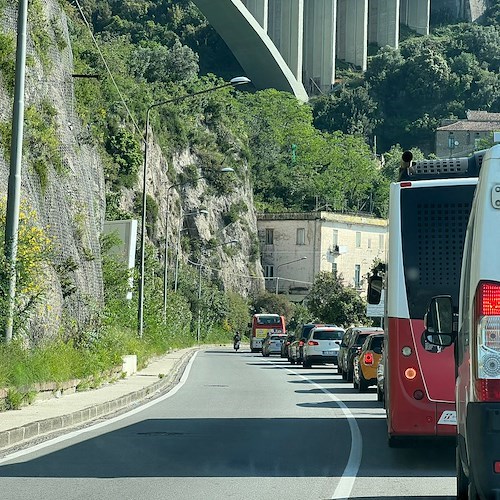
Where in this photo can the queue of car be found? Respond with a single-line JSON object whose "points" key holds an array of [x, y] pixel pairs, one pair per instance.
{"points": [[357, 351]]}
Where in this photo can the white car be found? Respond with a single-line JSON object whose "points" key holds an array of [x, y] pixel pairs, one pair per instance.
{"points": [[322, 345]]}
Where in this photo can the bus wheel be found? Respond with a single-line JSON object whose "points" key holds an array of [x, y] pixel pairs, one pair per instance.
{"points": [[462, 480], [395, 442]]}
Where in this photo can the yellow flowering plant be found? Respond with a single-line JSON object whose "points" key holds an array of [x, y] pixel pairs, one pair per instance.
{"points": [[33, 257]]}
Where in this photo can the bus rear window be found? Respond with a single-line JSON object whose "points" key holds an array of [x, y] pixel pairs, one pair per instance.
{"points": [[269, 320]]}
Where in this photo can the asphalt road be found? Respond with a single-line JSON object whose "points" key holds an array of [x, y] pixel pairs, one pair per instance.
{"points": [[239, 426]]}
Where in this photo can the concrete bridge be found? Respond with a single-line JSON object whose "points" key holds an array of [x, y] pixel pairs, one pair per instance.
{"points": [[292, 45]]}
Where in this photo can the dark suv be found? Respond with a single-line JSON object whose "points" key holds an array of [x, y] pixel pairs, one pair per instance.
{"points": [[351, 346]]}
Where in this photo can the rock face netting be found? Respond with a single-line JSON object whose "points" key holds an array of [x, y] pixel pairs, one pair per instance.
{"points": [[71, 203]]}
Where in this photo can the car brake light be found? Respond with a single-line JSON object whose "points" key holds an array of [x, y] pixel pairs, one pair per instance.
{"points": [[312, 342], [368, 358], [487, 327]]}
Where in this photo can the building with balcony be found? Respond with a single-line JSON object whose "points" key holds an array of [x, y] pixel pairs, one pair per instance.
{"points": [[456, 138], [295, 247]]}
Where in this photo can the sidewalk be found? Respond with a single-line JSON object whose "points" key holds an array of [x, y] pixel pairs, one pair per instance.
{"points": [[43, 418]]}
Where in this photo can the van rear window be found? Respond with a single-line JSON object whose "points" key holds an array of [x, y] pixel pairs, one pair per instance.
{"points": [[361, 339]]}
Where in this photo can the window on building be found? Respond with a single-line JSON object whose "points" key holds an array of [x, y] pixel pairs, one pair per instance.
{"points": [[369, 242], [335, 241], [301, 236], [381, 241], [357, 275], [358, 239], [334, 268], [269, 236], [269, 271]]}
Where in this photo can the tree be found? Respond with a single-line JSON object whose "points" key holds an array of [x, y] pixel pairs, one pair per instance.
{"points": [[333, 303], [271, 303]]}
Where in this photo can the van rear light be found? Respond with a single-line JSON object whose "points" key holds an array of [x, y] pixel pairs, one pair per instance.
{"points": [[487, 389], [496, 467], [487, 321], [312, 342], [368, 360]]}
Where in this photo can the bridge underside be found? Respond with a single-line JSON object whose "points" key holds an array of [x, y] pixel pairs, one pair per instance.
{"points": [[292, 45]]}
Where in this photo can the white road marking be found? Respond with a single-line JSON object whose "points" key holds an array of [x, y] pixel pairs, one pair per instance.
{"points": [[91, 428], [346, 482]]}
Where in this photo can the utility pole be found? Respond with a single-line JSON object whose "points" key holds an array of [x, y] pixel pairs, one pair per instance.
{"points": [[16, 155]]}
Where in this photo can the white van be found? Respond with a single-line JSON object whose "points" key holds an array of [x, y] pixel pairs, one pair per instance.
{"points": [[476, 333]]}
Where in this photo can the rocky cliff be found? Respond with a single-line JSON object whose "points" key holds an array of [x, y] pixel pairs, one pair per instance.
{"points": [[68, 193]]}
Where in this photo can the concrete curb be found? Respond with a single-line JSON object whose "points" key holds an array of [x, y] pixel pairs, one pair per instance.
{"points": [[45, 428]]}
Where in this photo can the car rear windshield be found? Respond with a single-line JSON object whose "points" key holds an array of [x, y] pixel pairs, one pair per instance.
{"points": [[360, 340], [328, 335], [376, 344]]}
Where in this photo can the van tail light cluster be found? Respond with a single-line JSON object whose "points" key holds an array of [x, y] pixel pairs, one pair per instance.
{"points": [[368, 359], [312, 342], [487, 328]]}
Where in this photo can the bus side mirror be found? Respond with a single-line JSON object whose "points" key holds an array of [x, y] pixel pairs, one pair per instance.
{"points": [[438, 321], [374, 289]]}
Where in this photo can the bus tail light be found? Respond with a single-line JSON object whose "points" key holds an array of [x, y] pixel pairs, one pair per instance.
{"points": [[410, 373], [312, 342], [368, 360], [487, 328], [496, 467]]}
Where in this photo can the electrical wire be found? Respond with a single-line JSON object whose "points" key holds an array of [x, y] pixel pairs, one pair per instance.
{"points": [[107, 67]]}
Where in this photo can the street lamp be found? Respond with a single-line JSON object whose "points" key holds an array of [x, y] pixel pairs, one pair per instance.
{"points": [[198, 329], [240, 80], [285, 264], [165, 268], [165, 261]]}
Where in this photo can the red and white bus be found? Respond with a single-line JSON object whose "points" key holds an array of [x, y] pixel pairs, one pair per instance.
{"points": [[428, 213], [261, 325]]}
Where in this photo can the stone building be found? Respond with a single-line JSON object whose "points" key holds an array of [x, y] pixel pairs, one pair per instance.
{"points": [[457, 138], [295, 247]]}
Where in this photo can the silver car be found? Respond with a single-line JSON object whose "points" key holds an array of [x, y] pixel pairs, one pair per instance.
{"points": [[272, 343]]}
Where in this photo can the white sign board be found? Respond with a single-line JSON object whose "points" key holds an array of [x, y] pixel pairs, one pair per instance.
{"points": [[376, 310]]}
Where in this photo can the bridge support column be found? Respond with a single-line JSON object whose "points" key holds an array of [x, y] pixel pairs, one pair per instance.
{"points": [[259, 10], [320, 20], [286, 29], [352, 31], [416, 15], [383, 22]]}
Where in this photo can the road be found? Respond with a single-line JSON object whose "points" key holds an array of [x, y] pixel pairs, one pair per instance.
{"points": [[239, 426]]}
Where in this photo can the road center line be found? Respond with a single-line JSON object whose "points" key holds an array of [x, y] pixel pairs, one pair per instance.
{"points": [[346, 482]]}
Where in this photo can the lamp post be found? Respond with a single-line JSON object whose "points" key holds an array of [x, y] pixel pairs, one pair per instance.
{"points": [[285, 264], [198, 329], [240, 80], [165, 261]]}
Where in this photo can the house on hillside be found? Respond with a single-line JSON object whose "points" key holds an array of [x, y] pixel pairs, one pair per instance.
{"points": [[297, 246], [457, 138]]}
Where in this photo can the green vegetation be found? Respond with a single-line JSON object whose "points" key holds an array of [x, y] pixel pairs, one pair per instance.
{"points": [[406, 92], [332, 302]]}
